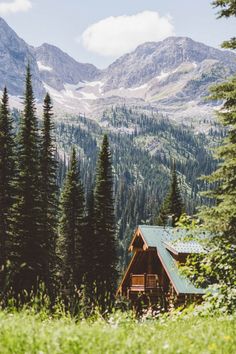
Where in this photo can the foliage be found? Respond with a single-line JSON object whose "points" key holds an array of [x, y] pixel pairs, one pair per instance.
{"points": [[27, 255], [89, 256], [227, 9], [141, 160], [7, 175], [217, 267], [71, 227], [49, 194], [221, 218], [172, 205], [105, 226]]}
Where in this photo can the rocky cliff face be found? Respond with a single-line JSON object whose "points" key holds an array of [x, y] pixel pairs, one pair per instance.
{"points": [[152, 60], [15, 54], [58, 68]]}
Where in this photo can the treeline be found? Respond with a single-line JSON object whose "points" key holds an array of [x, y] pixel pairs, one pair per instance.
{"points": [[51, 240]]}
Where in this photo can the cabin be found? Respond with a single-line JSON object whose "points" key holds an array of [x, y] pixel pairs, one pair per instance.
{"points": [[153, 273]]}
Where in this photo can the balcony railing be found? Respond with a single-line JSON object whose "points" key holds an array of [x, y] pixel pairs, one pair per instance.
{"points": [[144, 282]]}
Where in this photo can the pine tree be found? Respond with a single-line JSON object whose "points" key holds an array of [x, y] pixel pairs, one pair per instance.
{"points": [[89, 239], [172, 205], [7, 175], [162, 218], [218, 265], [106, 243], [27, 256], [89, 255], [222, 217], [227, 9], [72, 226], [49, 189]]}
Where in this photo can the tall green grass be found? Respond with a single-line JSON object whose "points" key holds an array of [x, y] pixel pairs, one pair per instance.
{"points": [[25, 332]]}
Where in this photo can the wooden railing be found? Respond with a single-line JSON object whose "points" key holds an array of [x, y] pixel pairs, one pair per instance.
{"points": [[142, 282]]}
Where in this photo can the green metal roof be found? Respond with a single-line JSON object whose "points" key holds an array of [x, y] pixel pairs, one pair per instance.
{"points": [[157, 236]]}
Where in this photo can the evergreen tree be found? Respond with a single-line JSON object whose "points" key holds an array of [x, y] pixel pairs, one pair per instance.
{"points": [[27, 256], [72, 226], [89, 240], [172, 205], [218, 265], [227, 9], [89, 255], [162, 218], [222, 217], [106, 243], [48, 166], [7, 175]]}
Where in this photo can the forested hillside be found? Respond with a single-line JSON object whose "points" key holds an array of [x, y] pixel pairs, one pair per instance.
{"points": [[143, 148]]}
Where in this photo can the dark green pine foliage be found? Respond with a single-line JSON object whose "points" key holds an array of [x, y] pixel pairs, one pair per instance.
{"points": [[49, 194], [89, 255], [106, 243], [162, 218], [72, 226], [28, 254], [7, 174], [227, 9], [89, 240], [221, 218], [172, 206], [219, 264]]}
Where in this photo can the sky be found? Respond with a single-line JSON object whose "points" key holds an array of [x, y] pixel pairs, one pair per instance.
{"points": [[99, 31]]}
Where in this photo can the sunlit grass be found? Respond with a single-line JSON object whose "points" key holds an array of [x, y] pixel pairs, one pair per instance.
{"points": [[28, 333]]}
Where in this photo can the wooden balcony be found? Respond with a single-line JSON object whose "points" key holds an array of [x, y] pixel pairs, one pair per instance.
{"points": [[145, 283]]}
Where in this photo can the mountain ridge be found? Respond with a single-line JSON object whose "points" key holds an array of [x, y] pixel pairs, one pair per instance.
{"points": [[15, 54], [65, 69], [172, 76]]}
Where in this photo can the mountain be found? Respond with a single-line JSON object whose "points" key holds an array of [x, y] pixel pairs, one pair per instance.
{"points": [[172, 77], [58, 68], [159, 60], [15, 54]]}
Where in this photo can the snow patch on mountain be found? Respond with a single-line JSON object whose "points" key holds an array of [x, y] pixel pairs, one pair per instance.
{"points": [[43, 67]]}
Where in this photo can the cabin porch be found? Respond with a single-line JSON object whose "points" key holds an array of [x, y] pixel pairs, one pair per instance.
{"points": [[144, 283], [145, 278]]}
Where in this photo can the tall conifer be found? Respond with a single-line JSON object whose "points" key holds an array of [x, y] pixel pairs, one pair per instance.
{"points": [[48, 166], [72, 226], [218, 265], [7, 174], [106, 243], [89, 249], [172, 205], [221, 218], [28, 248]]}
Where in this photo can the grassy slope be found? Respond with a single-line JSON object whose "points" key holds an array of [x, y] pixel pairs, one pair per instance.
{"points": [[24, 333]]}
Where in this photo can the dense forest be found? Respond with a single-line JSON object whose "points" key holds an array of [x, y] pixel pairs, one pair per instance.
{"points": [[143, 148]]}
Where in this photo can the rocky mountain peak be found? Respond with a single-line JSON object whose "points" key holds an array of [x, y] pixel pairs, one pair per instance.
{"points": [[15, 55], [151, 59], [57, 68]]}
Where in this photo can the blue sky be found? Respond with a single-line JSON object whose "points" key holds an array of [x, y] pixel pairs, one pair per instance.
{"points": [[98, 31]]}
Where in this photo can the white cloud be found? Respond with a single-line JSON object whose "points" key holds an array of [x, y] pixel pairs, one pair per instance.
{"points": [[14, 6], [114, 36]]}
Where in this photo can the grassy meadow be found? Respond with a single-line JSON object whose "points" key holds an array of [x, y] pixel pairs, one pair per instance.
{"points": [[26, 332]]}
